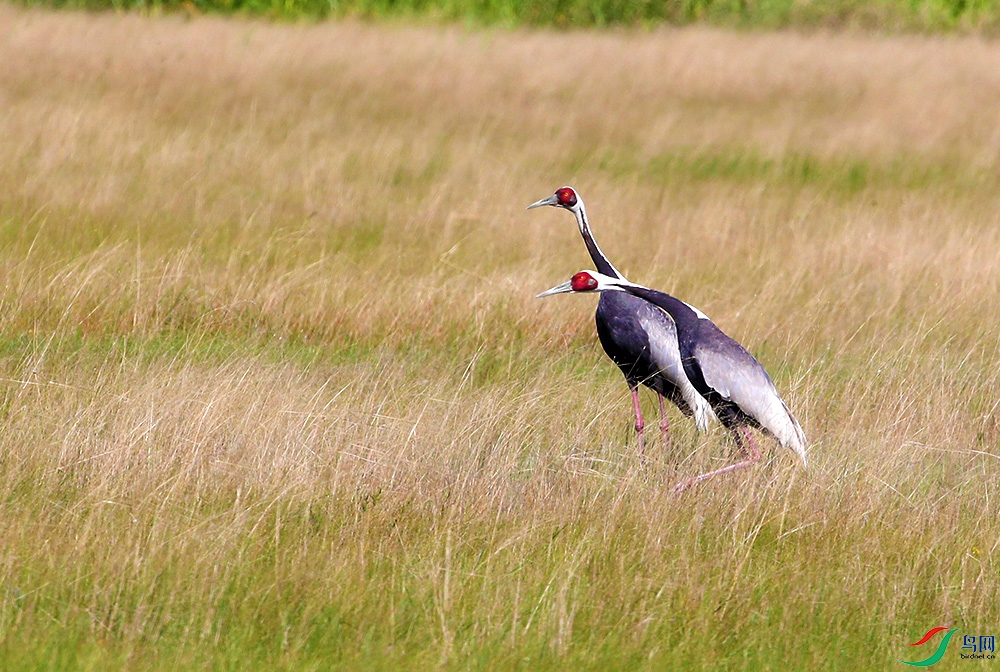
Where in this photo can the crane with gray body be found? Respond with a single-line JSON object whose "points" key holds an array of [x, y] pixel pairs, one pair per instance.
{"points": [[638, 337], [738, 388]]}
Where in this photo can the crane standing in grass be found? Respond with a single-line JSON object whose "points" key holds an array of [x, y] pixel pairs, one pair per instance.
{"points": [[734, 382], [639, 337]]}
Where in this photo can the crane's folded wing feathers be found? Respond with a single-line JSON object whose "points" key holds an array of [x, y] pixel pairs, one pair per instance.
{"points": [[737, 376], [666, 353]]}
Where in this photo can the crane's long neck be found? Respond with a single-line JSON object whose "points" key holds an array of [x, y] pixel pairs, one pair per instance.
{"points": [[600, 260]]}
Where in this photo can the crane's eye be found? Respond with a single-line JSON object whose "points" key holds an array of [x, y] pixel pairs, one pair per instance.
{"points": [[583, 282], [566, 196]]}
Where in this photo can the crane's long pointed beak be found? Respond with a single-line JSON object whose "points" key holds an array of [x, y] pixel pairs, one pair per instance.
{"points": [[551, 200], [558, 289]]}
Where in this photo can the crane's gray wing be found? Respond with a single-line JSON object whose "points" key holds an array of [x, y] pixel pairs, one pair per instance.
{"points": [[665, 352], [737, 376]]}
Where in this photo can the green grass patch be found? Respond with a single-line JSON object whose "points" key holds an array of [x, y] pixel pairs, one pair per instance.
{"points": [[840, 176], [892, 15]]}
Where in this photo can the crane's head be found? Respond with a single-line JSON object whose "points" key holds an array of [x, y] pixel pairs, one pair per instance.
{"points": [[586, 281], [563, 198]]}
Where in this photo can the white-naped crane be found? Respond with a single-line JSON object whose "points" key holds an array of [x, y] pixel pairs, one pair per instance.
{"points": [[734, 382], [638, 337]]}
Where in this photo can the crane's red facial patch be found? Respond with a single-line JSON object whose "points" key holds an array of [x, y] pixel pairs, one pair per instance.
{"points": [[583, 282], [566, 196]]}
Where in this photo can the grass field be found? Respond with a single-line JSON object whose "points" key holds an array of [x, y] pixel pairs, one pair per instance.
{"points": [[894, 16], [276, 394]]}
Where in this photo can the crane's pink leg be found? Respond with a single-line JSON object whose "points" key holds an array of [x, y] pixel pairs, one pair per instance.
{"points": [[640, 424], [664, 422], [749, 447]]}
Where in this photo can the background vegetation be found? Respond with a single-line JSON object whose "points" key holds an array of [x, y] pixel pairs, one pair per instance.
{"points": [[275, 393], [982, 16]]}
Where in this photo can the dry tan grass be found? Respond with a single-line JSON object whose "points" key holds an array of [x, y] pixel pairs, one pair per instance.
{"points": [[271, 360]]}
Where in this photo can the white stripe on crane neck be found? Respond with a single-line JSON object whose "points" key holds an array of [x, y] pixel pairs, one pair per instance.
{"points": [[584, 223], [701, 315]]}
